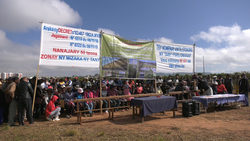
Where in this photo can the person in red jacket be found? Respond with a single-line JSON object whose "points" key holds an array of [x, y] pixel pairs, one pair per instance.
{"points": [[53, 111], [221, 89]]}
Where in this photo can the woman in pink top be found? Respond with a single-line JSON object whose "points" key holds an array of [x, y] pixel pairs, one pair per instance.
{"points": [[139, 89], [89, 104], [126, 90]]}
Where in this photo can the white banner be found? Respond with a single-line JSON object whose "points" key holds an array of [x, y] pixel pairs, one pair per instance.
{"points": [[173, 58], [65, 46]]}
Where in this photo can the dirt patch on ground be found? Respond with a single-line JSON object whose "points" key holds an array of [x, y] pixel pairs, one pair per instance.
{"points": [[230, 124]]}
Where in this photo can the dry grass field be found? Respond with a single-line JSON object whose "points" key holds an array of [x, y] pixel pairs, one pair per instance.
{"points": [[225, 125]]}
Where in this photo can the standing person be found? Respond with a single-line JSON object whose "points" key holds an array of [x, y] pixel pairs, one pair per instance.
{"points": [[228, 84], [214, 84], [25, 94], [243, 86], [13, 104], [39, 100], [2, 102], [6, 100], [1, 82]]}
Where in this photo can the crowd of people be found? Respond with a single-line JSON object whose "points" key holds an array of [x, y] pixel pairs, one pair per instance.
{"points": [[56, 95]]}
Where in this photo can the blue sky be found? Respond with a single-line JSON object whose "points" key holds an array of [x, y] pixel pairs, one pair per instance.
{"points": [[220, 28]]}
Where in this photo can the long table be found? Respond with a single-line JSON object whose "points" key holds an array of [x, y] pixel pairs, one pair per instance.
{"points": [[154, 104], [221, 99]]}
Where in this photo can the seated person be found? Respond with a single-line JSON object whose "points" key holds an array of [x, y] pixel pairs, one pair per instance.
{"points": [[79, 95], [139, 89], [104, 94], [126, 90], [53, 111], [89, 104], [221, 89], [69, 104], [113, 92], [96, 93], [207, 90], [48, 95]]}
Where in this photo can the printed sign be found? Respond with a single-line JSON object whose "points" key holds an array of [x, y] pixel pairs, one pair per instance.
{"points": [[65, 46], [172, 58]]}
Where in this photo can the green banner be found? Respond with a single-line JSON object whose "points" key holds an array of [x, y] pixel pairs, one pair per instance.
{"points": [[124, 58], [113, 46]]}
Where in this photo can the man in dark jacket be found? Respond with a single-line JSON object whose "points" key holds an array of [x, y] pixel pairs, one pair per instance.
{"points": [[243, 85], [228, 84], [25, 93]]}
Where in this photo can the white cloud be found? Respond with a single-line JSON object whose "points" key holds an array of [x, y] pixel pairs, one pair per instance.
{"points": [[232, 52], [21, 58], [21, 15], [164, 40], [107, 31], [17, 57], [161, 39]]}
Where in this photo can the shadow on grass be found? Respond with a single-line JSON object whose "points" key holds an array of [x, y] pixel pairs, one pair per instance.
{"points": [[128, 119]]}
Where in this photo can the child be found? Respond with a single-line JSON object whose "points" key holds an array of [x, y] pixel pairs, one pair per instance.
{"points": [[52, 111]]}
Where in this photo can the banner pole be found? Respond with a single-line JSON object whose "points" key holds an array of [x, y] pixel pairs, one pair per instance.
{"points": [[34, 95], [37, 72], [155, 70], [100, 73], [194, 58]]}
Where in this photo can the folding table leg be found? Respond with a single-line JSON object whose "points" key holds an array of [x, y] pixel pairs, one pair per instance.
{"points": [[133, 112], [142, 119], [109, 114], [112, 113], [80, 120], [141, 114]]}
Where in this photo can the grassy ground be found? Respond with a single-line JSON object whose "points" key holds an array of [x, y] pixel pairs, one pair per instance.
{"points": [[226, 125]]}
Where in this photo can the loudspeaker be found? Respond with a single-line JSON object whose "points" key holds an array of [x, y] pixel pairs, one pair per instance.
{"points": [[195, 108], [187, 109]]}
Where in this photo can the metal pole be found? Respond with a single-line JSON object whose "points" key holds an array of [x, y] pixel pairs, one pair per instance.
{"points": [[203, 65], [194, 58], [155, 72], [100, 68]]}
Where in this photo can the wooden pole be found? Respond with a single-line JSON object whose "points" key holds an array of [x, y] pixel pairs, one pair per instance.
{"points": [[34, 95], [37, 72]]}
